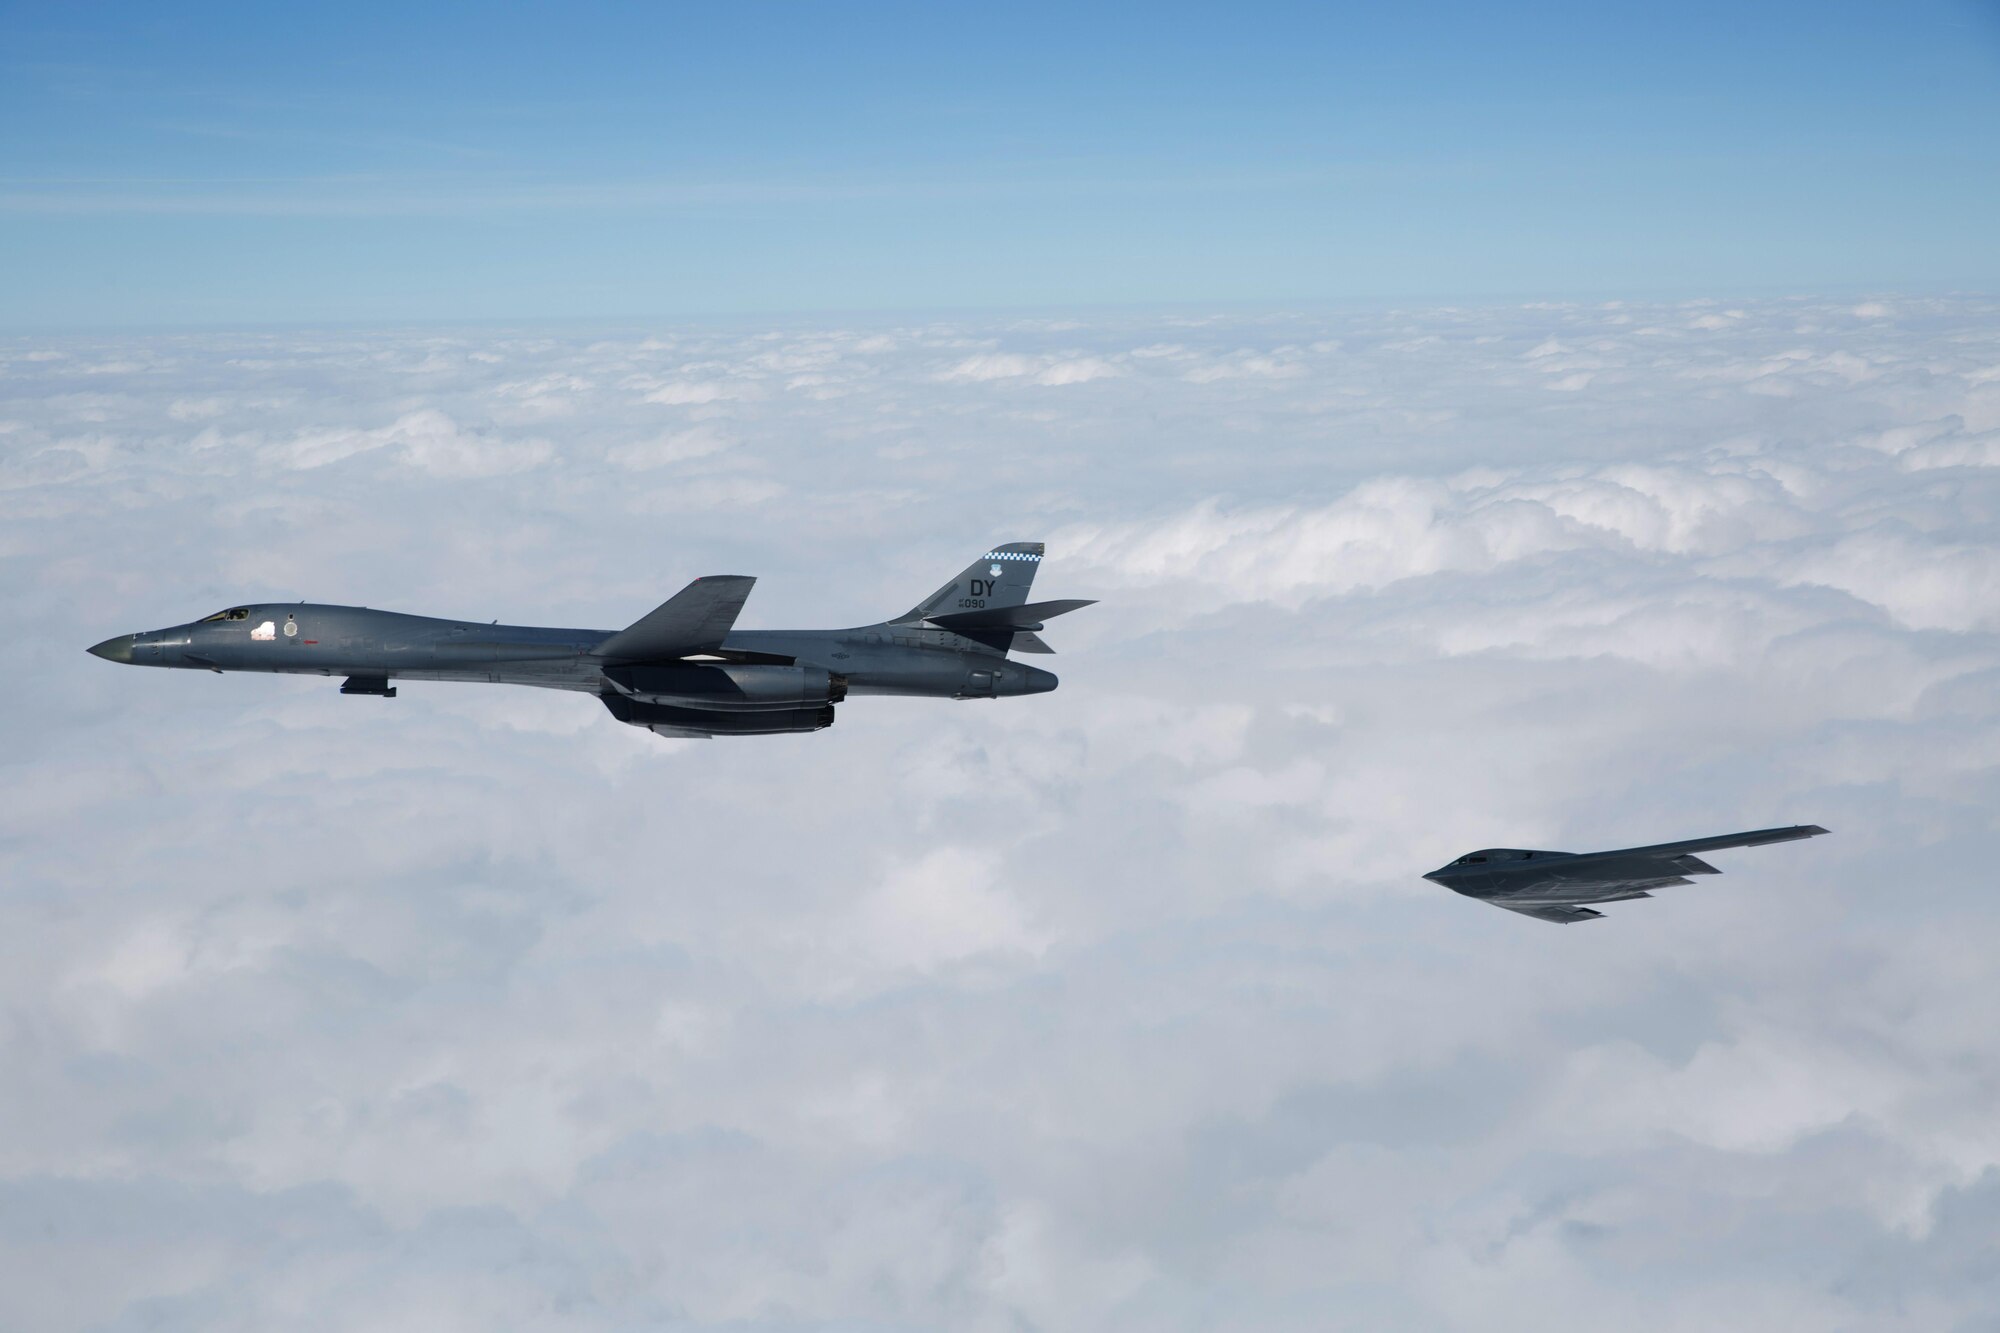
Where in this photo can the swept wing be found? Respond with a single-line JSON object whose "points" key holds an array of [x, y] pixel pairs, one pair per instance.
{"points": [[694, 620]]}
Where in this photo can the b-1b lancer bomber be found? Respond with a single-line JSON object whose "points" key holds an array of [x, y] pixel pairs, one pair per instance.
{"points": [[1555, 886], [681, 670]]}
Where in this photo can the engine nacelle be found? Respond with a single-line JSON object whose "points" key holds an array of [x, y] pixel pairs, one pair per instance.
{"points": [[717, 722], [727, 687]]}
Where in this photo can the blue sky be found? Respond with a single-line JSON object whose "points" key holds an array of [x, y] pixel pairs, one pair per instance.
{"points": [[216, 163]]}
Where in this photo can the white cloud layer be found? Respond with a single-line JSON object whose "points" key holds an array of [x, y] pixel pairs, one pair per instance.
{"points": [[1118, 1008]]}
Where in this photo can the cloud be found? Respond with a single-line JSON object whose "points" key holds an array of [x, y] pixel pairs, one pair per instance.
{"points": [[1108, 1009], [1081, 370], [990, 366], [426, 440], [1244, 365], [675, 447], [681, 393], [1051, 371], [1389, 529], [939, 909]]}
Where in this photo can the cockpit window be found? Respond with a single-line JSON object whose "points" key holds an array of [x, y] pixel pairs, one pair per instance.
{"points": [[1477, 859], [233, 613]]}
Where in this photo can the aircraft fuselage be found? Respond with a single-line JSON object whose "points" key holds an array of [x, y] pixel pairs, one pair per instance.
{"points": [[319, 640]]}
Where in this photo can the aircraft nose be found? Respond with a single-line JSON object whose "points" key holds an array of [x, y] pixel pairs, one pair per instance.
{"points": [[1040, 681], [114, 650]]}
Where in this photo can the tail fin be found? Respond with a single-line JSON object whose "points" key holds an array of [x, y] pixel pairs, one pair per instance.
{"points": [[995, 581]]}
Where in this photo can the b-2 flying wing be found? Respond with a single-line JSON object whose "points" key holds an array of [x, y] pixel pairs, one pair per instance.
{"points": [[1557, 886]]}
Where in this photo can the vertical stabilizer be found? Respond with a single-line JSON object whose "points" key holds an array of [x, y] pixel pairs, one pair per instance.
{"points": [[999, 579]]}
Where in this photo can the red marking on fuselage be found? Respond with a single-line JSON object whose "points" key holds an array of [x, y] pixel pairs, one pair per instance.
{"points": [[312, 640]]}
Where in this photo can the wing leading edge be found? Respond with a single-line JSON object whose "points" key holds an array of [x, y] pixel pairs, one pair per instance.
{"points": [[695, 619], [1668, 850]]}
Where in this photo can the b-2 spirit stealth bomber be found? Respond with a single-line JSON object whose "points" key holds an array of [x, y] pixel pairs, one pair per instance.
{"points": [[681, 670], [1555, 886]]}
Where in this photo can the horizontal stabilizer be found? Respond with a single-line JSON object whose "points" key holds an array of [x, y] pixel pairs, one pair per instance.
{"points": [[1029, 616], [693, 620]]}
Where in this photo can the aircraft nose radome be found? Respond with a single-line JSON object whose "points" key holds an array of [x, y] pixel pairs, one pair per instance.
{"points": [[114, 650], [1040, 681]]}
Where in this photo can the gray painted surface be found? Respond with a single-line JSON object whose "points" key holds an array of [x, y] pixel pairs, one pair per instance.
{"points": [[680, 670], [1555, 886]]}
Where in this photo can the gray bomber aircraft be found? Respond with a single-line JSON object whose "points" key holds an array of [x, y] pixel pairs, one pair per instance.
{"points": [[1554, 886], [681, 670]]}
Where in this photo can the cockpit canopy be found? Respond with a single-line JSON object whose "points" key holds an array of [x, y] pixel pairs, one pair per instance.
{"points": [[1496, 854], [233, 613]]}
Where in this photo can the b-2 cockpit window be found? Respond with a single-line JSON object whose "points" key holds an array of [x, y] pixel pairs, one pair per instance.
{"points": [[233, 613]]}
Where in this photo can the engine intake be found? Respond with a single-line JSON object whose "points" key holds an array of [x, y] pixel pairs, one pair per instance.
{"points": [[728, 687], [717, 722]]}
